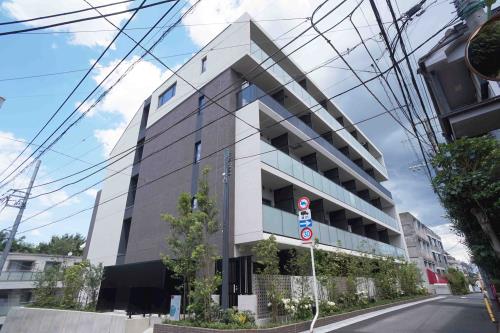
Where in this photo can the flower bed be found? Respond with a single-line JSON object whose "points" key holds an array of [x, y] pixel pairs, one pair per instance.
{"points": [[299, 326]]}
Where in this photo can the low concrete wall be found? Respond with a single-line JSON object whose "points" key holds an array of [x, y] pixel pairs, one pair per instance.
{"points": [[33, 320], [293, 328]]}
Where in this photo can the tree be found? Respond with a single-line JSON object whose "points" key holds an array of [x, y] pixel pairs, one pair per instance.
{"points": [[468, 184], [266, 255], [192, 255], [457, 281], [62, 245], [46, 287], [19, 245]]}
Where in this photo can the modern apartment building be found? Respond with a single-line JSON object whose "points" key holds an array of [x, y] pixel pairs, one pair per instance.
{"points": [[466, 104], [425, 249], [17, 280], [287, 140]]}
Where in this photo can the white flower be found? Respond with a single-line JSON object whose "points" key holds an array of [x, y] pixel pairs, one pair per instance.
{"points": [[331, 303], [269, 304]]}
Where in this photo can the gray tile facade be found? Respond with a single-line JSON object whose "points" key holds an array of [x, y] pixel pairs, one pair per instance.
{"points": [[148, 231]]}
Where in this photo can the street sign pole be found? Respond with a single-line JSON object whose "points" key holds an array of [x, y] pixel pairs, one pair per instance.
{"points": [[306, 234], [315, 290]]}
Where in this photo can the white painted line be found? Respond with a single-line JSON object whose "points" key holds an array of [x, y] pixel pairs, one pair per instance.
{"points": [[357, 319]]}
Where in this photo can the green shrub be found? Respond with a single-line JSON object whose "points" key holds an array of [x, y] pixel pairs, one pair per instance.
{"points": [[457, 282]]}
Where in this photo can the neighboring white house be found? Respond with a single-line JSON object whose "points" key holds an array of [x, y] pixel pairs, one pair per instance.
{"points": [[18, 277]]}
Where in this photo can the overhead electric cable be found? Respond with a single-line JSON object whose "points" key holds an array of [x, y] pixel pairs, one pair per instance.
{"points": [[6, 33], [95, 89], [391, 53], [80, 82], [64, 14]]}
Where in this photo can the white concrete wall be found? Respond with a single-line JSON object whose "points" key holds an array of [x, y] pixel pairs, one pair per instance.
{"points": [[105, 238], [222, 52], [247, 178], [32, 320]]}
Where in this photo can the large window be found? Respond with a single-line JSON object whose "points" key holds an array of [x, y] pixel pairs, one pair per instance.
{"points": [[167, 95], [20, 265], [197, 152]]}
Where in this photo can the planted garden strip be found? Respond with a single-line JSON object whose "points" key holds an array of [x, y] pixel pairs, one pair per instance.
{"points": [[290, 328]]}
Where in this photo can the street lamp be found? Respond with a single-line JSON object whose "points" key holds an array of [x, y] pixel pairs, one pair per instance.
{"points": [[1, 101]]}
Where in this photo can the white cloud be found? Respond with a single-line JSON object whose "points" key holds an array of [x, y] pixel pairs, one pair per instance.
{"points": [[126, 97], [91, 192], [25, 9], [452, 243], [109, 137]]}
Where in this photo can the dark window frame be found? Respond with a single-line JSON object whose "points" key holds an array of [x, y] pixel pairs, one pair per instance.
{"points": [[197, 152], [167, 95], [204, 64]]}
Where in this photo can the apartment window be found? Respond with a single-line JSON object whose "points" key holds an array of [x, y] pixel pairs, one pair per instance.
{"points": [[51, 265], [20, 265], [194, 203], [25, 297], [201, 103], [167, 95], [203, 64], [197, 152]]}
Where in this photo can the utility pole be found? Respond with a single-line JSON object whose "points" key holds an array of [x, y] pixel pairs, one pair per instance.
{"points": [[225, 230], [21, 207]]}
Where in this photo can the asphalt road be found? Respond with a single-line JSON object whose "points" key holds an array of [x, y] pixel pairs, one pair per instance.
{"points": [[453, 314]]}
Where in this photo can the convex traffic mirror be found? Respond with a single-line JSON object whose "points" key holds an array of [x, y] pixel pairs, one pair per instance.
{"points": [[482, 52]]}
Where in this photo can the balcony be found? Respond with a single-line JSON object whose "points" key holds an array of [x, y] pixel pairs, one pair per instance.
{"points": [[19, 276], [282, 223], [285, 79], [281, 161], [253, 93]]}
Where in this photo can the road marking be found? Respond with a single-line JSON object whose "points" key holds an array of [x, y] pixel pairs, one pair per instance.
{"points": [[357, 319], [488, 309]]}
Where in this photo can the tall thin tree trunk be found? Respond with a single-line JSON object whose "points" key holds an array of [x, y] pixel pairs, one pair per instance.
{"points": [[483, 221]]}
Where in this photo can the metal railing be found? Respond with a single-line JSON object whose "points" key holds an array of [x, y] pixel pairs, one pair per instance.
{"points": [[252, 93], [19, 276], [297, 170], [282, 223], [301, 93]]}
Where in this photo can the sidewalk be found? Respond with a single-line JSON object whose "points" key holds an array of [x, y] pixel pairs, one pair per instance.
{"points": [[369, 315]]}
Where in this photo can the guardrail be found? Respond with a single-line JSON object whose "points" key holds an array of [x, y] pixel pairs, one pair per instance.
{"points": [[19, 276]]}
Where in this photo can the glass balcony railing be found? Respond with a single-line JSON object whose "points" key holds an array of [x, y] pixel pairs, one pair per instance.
{"points": [[296, 169], [18, 276], [284, 78], [252, 93], [282, 223]]}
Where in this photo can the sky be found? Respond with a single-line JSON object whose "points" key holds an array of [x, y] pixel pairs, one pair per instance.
{"points": [[66, 52]]}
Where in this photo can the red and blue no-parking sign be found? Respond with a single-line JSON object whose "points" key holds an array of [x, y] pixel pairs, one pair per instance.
{"points": [[303, 203]]}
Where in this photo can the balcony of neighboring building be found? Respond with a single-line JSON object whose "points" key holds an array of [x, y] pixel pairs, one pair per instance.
{"points": [[307, 131], [467, 105], [300, 97]]}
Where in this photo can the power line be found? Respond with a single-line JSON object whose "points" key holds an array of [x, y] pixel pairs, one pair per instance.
{"points": [[80, 82], [314, 25], [97, 87], [65, 13], [83, 19], [102, 95], [354, 87], [410, 69], [168, 174]]}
